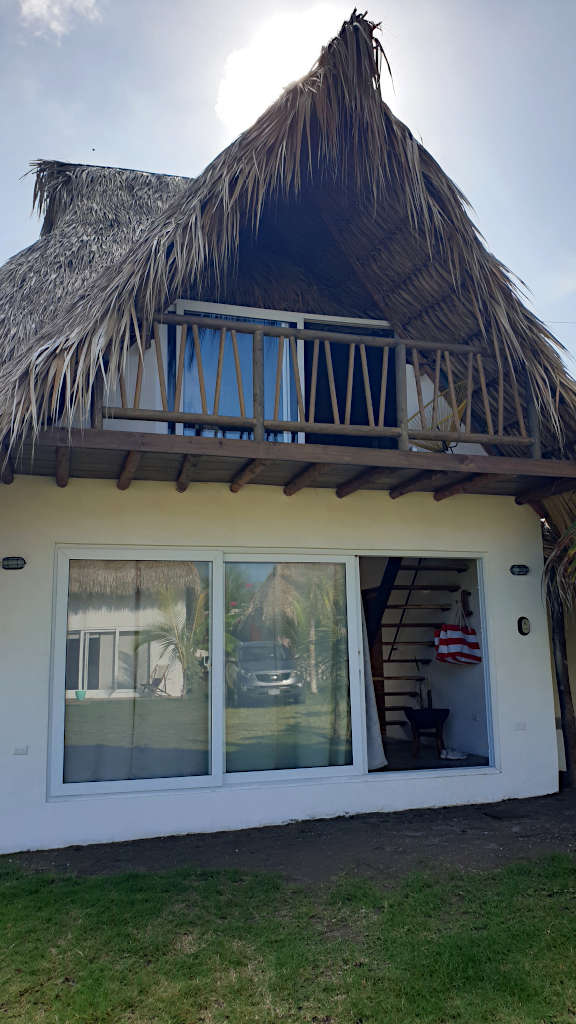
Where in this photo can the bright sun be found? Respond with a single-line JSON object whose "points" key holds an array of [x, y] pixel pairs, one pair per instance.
{"points": [[281, 50]]}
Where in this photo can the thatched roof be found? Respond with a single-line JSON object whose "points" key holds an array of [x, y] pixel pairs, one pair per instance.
{"points": [[103, 578], [92, 215], [327, 203]]}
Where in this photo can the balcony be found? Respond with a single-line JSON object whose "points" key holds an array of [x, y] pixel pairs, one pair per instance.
{"points": [[224, 400]]}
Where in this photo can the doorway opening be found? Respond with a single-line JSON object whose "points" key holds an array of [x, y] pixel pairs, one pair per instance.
{"points": [[427, 663]]}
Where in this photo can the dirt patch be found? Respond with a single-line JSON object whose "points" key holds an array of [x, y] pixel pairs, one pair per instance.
{"points": [[385, 845]]}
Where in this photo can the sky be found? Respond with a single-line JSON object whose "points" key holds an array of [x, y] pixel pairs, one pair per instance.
{"points": [[488, 86]]}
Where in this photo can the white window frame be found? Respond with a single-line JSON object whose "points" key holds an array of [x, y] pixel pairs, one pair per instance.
{"points": [[218, 777], [56, 786], [183, 306], [359, 764]]}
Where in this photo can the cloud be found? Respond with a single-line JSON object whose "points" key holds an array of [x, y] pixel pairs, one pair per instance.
{"points": [[56, 15], [282, 49]]}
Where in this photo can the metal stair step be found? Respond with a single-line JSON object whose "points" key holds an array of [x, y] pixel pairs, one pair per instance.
{"points": [[409, 661], [407, 643], [411, 625], [433, 568], [420, 607], [451, 588]]}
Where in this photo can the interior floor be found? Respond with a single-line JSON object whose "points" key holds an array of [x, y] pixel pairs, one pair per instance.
{"points": [[401, 758]]}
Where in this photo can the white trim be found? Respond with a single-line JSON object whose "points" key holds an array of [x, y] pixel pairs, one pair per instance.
{"points": [[218, 777], [355, 678], [64, 553], [275, 314]]}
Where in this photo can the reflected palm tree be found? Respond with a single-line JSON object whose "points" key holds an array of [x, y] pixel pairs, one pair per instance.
{"points": [[304, 606], [182, 635]]}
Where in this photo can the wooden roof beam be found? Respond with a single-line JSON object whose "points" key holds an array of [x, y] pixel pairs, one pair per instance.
{"points": [[414, 483], [248, 473], [359, 481], [549, 490], [306, 478], [131, 463], [463, 486], [342, 455], [189, 463], [62, 472]]}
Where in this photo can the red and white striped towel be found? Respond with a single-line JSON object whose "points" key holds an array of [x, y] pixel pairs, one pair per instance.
{"points": [[457, 645]]}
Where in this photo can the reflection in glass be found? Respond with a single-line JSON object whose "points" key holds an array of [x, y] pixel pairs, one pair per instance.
{"points": [[137, 670], [287, 680]]}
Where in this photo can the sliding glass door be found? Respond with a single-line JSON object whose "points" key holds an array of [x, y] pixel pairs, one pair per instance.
{"points": [[287, 668], [202, 669]]}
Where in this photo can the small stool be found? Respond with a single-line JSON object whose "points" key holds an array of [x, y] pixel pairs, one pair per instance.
{"points": [[427, 722]]}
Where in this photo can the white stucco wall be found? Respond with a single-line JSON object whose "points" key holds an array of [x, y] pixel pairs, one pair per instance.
{"points": [[35, 515]]}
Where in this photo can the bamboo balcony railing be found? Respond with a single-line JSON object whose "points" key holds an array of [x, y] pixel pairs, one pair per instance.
{"points": [[462, 393]]}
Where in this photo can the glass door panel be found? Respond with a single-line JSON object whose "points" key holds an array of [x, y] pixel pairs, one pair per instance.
{"points": [[286, 666]]}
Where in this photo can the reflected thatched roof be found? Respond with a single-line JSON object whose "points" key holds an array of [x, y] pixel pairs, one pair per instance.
{"points": [[125, 578], [327, 203]]}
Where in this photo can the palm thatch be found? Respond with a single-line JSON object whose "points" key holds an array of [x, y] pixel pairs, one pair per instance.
{"points": [[92, 215], [114, 578], [327, 179]]}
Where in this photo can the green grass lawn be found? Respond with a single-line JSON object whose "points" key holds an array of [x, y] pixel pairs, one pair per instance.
{"points": [[268, 735], [208, 948]]}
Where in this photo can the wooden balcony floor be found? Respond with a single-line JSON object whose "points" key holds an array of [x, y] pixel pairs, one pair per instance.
{"points": [[105, 454]]}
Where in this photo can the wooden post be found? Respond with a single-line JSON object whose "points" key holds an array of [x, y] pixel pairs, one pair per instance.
{"points": [[567, 716], [258, 384], [533, 421], [401, 396]]}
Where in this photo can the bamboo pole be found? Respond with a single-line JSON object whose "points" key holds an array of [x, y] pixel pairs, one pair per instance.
{"points": [[402, 397], [238, 373], [219, 369], [367, 391], [331, 384], [160, 365], [349, 382], [258, 384], [383, 387], [313, 381], [279, 369]]}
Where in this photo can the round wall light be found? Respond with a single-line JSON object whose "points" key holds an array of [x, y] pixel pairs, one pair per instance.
{"points": [[519, 570]]}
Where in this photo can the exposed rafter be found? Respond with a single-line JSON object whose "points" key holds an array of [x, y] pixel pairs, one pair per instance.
{"points": [[463, 486], [131, 463], [549, 490], [189, 463], [248, 473], [360, 481], [415, 482], [62, 472], [306, 478]]}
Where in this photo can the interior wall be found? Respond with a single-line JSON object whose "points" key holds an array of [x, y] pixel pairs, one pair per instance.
{"points": [[462, 687]]}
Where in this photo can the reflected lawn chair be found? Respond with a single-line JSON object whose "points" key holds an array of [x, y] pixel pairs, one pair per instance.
{"points": [[156, 685]]}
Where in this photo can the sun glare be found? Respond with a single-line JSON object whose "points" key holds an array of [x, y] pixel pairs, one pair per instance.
{"points": [[282, 49]]}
